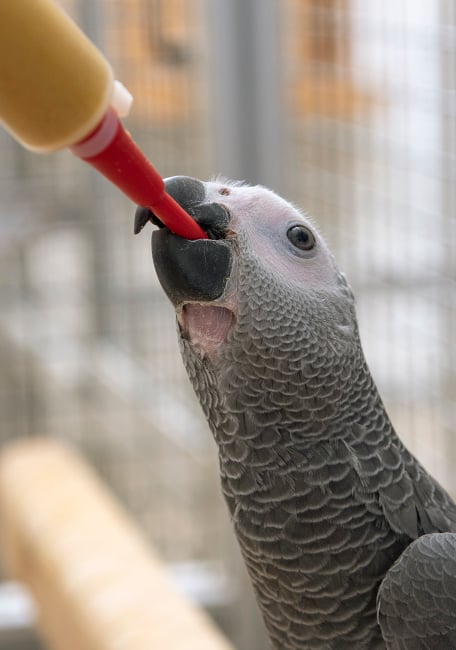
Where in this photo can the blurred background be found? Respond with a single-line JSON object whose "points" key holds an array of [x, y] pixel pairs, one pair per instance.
{"points": [[346, 107]]}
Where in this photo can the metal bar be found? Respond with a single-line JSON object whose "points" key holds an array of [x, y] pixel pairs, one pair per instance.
{"points": [[247, 92]]}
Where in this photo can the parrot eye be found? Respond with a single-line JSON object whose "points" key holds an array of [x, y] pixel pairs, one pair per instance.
{"points": [[301, 237]]}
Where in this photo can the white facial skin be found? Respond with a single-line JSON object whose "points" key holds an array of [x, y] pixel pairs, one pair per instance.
{"points": [[265, 218]]}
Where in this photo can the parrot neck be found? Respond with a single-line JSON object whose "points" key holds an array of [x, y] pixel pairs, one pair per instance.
{"points": [[292, 406]]}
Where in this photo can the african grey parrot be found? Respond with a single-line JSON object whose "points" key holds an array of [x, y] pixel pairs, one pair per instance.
{"points": [[325, 500]]}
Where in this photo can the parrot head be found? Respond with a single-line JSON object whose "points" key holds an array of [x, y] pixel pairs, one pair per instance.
{"points": [[264, 277]]}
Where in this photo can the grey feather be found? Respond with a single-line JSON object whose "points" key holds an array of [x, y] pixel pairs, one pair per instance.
{"points": [[417, 598], [323, 496]]}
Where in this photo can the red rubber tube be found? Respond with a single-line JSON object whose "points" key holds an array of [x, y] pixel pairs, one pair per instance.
{"points": [[125, 165]]}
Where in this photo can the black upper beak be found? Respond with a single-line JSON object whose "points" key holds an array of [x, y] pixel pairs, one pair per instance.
{"points": [[190, 194], [143, 216], [191, 270]]}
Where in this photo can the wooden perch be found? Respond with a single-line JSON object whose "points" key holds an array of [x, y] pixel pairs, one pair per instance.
{"points": [[96, 583]]}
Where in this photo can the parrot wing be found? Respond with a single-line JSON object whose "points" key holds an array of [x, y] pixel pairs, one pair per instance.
{"points": [[416, 602]]}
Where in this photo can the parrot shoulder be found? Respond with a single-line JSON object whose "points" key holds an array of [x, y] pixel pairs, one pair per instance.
{"points": [[411, 500]]}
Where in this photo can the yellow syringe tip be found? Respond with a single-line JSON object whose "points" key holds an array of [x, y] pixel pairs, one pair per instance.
{"points": [[55, 86]]}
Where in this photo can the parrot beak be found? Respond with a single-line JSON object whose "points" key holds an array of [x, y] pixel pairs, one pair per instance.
{"points": [[191, 270]]}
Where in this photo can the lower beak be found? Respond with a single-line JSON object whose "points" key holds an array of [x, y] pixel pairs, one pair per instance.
{"points": [[191, 270]]}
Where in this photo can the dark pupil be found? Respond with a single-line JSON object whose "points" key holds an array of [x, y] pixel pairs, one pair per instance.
{"points": [[301, 237]]}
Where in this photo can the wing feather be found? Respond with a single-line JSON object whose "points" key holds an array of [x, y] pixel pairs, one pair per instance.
{"points": [[416, 602]]}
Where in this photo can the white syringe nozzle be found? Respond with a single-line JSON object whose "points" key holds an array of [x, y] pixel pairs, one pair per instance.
{"points": [[122, 99]]}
